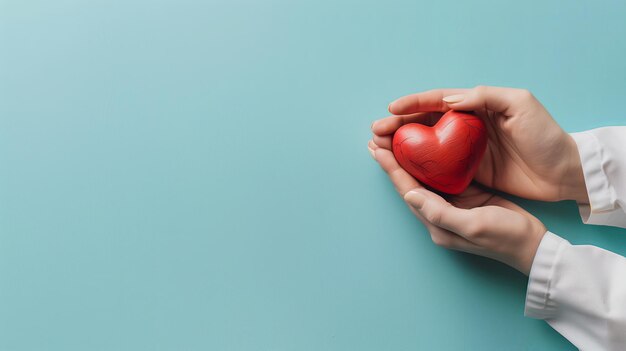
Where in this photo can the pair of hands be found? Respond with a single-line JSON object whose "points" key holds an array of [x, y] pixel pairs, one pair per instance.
{"points": [[528, 155]]}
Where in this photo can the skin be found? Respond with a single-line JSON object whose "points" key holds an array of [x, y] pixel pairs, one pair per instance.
{"points": [[527, 155]]}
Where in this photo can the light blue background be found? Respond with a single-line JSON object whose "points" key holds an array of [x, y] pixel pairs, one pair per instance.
{"points": [[192, 175]]}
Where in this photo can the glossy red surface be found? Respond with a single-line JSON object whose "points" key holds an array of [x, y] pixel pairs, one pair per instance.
{"points": [[445, 156]]}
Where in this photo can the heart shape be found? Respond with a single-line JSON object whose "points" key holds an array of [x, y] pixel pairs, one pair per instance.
{"points": [[445, 156]]}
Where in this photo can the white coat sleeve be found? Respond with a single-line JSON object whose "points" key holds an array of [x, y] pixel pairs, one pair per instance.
{"points": [[580, 290], [603, 158]]}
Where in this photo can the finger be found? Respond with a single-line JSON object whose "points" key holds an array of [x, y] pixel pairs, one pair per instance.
{"points": [[446, 239], [428, 101], [371, 147], [402, 181], [442, 214], [383, 141], [390, 124], [496, 99]]}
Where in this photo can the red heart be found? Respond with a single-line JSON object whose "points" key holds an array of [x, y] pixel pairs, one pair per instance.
{"points": [[445, 156]]}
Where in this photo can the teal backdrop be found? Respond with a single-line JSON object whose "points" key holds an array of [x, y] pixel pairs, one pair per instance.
{"points": [[193, 175]]}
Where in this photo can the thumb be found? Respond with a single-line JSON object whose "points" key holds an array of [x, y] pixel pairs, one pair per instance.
{"points": [[497, 99], [440, 213]]}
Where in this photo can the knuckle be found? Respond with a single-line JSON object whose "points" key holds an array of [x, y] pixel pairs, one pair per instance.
{"points": [[441, 240], [433, 216], [525, 95], [394, 173], [480, 89], [476, 228]]}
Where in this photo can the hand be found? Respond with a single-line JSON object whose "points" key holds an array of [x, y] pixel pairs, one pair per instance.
{"points": [[527, 155], [475, 221]]}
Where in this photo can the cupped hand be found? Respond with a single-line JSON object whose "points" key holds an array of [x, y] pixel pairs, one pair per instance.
{"points": [[475, 221], [528, 154]]}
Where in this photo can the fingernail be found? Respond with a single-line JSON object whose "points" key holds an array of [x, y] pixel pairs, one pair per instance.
{"points": [[389, 107], [453, 99], [372, 126], [415, 199], [372, 152]]}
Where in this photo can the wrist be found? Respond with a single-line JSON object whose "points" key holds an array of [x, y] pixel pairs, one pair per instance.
{"points": [[573, 185], [528, 252]]}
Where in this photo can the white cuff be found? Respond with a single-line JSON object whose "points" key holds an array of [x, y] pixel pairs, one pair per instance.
{"points": [[538, 302], [601, 195]]}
